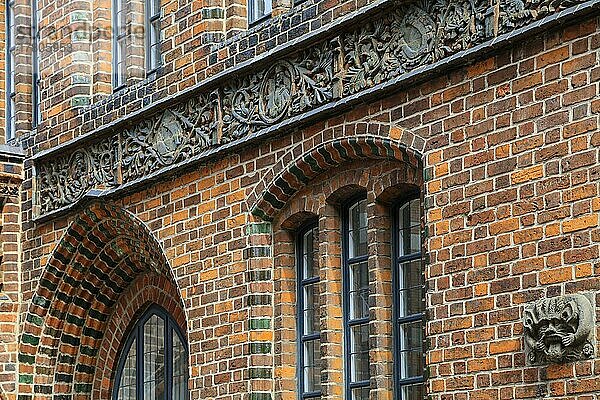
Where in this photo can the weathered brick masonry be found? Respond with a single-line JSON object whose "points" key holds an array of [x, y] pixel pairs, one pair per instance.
{"points": [[503, 147]]}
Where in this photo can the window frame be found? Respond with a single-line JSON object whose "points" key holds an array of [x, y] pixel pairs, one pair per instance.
{"points": [[36, 78], [136, 332], [397, 261], [347, 322], [11, 91], [119, 78], [254, 20], [301, 283], [152, 23]]}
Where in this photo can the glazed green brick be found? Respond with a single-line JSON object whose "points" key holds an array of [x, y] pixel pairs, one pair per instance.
{"points": [[34, 319], [26, 378], [26, 358], [72, 319], [260, 323], [260, 348], [260, 396], [258, 228], [260, 373], [30, 339]]}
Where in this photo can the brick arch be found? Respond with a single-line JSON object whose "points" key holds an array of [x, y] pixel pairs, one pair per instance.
{"points": [[102, 252], [275, 190], [146, 290], [383, 180]]}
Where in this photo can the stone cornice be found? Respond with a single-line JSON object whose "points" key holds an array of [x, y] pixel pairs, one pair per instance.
{"points": [[323, 73]]}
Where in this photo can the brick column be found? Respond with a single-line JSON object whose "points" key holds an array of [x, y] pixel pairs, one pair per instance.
{"points": [[136, 41], [10, 248], [332, 347], [101, 49], [259, 301], [380, 299], [284, 279], [66, 60]]}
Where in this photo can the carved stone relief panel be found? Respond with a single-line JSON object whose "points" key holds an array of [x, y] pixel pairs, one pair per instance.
{"points": [[560, 329], [402, 38], [413, 35], [287, 88], [66, 179], [518, 13], [172, 136]]}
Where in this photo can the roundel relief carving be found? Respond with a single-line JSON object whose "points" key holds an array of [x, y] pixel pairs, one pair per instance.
{"points": [[276, 91], [417, 31]]}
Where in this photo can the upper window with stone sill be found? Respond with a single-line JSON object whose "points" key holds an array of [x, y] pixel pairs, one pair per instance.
{"points": [[153, 55], [259, 10]]}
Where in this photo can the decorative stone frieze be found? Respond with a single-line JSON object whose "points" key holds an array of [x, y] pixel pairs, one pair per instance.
{"points": [[402, 39], [170, 137], [560, 329]]}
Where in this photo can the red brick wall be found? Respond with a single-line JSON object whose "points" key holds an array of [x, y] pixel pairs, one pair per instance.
{"points": [[511, 200]]}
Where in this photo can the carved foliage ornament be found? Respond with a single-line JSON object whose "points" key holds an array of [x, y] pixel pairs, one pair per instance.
{"points": [[392, 43], [66, 179], [286, 88], [412, 36], [172, 136], [559, 329]]}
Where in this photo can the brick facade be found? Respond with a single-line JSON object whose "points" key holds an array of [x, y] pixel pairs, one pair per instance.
{"points": [[503, 150]]}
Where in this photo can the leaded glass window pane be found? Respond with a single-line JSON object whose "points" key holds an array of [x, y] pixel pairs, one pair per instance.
{"points": [[156, 364], [179, 369], [358, 229], [154, 359], [309, 365], [311, 310], [312, 366], [258, 9], [127, 383], [359, 352], [359, 290], [356, 299], [409, 292]]}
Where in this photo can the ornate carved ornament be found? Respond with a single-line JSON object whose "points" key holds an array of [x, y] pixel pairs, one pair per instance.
{"points": [[9, 189], [401, 39], [560, 329]]}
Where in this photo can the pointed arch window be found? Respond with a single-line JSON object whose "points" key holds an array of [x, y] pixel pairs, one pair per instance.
{"points": [[154, 362]]}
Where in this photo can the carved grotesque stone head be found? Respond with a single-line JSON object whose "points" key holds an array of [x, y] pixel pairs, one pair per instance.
{"points": [[559, 329]]}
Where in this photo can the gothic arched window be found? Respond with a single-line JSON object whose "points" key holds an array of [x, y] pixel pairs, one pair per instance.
{"points": [[154, 361]]}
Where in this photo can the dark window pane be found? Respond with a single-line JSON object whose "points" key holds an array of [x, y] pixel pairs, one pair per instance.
{"points": [[309, 365], [359, 353], [411, 363], [360, 394], [358, 229], [411, 275], [359, 291], [312, 366], [410, 228], [311, 310], [127, 384], [154, 359], [311, 254], [411, 335], [410, 302], [413, 392], [179, 369], [259, 9]]}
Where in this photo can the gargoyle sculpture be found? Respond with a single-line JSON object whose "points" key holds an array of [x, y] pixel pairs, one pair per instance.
{"points": [[559, 329]]}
